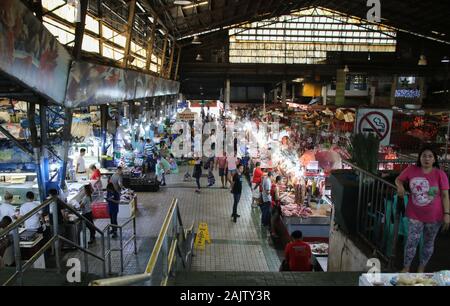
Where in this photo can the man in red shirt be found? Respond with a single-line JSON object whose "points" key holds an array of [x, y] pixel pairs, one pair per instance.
{"points": [[256, 184], [298, 253]]}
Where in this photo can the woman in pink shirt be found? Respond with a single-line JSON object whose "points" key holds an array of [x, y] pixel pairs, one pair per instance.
{"points": [[428, 206]]}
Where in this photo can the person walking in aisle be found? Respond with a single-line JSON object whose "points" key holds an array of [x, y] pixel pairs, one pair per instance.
{"points": [[236, 190], [256, 184], [113, 199], [428, 206], [267, 200], [86, 211], [221, 163], [197, 172]]}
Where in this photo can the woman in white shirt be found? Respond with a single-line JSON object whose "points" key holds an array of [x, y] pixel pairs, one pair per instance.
{"points": [[86, 210], [6, 209], [34, 222]]}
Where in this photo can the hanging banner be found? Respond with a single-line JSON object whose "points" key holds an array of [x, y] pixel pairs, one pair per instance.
{"points": [[376, 121], [92, 84], [30, 54]]}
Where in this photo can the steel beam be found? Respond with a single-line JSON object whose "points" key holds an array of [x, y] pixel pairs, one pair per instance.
{"points": [[79, 30], [163, 58], [16, 142], [66, 144], [178, 64], [129, 33], [150, 45], [172, 53]]}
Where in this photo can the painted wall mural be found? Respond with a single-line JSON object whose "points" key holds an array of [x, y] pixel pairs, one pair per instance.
{"points": [[30, 53], [92, 84]]}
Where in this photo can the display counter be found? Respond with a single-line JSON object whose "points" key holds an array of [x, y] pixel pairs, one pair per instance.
{"points": [[441, 278], [19, 191], [314, 228]]}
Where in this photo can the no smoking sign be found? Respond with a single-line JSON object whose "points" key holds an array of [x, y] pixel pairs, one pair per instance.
{"points": [[375, 121]]}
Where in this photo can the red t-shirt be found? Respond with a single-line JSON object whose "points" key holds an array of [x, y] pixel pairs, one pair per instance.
{"points": [[257, 176], [425, 202], [298, 255], [96, 175]]}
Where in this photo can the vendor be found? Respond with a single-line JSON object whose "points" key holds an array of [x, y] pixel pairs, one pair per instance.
{"points": [[6, 209], [34, 222], [298, 253], [96, 177], [80, 167]]}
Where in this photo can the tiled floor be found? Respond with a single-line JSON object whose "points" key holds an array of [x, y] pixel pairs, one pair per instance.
{"points": [[241, 246]]}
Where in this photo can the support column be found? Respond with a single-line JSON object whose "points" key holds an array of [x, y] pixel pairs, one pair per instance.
{"points": [[104, 127], [36, 149], [178, 64], [100, 26], [67, 137], [393, 88], [79, 29], [129, 32], [169, 69], [340, 87], [293, 92], [151, 42], [283, 93], [227, 95], [163, 57], [44, 142]]}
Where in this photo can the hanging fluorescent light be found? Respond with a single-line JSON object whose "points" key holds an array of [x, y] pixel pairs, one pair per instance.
{"points": [[199, 57], [182, 2], [422, 60], [196, 40], [445, 59], [346, 70]]}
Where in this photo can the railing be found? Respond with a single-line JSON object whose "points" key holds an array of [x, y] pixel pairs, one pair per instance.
{"points": [[131, 220], [54, 240], [172, 240], [378, 216]]}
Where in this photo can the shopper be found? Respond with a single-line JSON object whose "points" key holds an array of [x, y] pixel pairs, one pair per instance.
{"points": [[298, 253], [33, 223], [428, 206], [149, 147], [96, 177], [113, 199], [141, 145], [221, 163], [80, 168], [197, 172], [232, 162], [6, 240], [151, 163], [117, 179], [256, 185], [86, 211], [162, 168], [6, 209], [164, 150], [266, 200], [274, 211], [236, 190]]}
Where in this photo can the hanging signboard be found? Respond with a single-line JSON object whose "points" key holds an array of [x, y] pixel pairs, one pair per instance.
{"points": [[186, 115], [376, 121]]}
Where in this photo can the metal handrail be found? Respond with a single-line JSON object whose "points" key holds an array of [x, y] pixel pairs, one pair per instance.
{"points": [[369, 174], [14, 228], [148, 274], [122, 245]]}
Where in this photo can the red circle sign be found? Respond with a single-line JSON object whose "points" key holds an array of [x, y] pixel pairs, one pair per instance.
{"points": [[378, 124]]}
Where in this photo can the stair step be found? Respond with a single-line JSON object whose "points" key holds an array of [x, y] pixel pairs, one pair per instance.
{"points": [[217, 278]]}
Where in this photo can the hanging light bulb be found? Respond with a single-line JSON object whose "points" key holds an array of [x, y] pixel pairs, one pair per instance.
{"points": [[368, 57], [199, 58], [346, 70], [196, 40], [422, 60]]}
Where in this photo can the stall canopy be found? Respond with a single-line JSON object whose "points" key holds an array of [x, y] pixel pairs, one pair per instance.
{"points": [[30, 54]]}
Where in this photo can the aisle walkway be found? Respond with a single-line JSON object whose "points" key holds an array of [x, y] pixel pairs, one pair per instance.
{"points": [[241, 246]]}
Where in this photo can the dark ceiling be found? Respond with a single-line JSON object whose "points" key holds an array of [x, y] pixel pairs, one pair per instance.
{"points": [[429, 18]]}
